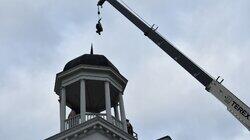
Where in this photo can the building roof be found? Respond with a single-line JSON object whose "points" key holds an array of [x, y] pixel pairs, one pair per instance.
{"points": [[90, 59]]}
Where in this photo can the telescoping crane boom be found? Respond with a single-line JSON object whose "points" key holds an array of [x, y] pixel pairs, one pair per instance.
{"points": [[234, 105]]}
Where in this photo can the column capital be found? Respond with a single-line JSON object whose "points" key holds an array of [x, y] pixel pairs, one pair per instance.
{"points": [[107, 81], [82, 79]]}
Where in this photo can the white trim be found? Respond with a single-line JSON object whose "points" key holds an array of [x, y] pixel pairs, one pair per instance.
{"points": [[62, 108], [101, 68], [115, 78], [122, 112], [91, 76], [82, 100], [108, 101]]}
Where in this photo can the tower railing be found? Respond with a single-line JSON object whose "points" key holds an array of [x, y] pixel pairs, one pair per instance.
{"points": [[73, 121], [90, 116], [117, 122]]}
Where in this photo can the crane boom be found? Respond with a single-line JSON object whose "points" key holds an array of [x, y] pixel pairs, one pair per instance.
{"points": [[234, 105]]}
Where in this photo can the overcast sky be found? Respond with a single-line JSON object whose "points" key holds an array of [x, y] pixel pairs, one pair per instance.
{"points": [[37, 38]]}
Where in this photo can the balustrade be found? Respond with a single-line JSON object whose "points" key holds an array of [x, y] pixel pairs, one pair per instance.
{"points": [[71, 122]]}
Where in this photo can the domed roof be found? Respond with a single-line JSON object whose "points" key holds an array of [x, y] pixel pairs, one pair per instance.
{"points": [[90, 59]]}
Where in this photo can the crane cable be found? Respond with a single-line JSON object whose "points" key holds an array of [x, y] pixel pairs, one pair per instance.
{"points": [[98, 12]]}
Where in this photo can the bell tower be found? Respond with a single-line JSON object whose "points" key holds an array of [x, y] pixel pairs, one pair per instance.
{"points": [[93, 88]]}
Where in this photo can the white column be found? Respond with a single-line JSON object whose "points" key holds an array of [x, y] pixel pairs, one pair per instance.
{"points": [[62, 109], [117, 116], [107, 101], [82, 101], [122, 112]]}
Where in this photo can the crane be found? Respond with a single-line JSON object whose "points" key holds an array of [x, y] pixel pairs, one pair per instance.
{"points": [[234, 105]]}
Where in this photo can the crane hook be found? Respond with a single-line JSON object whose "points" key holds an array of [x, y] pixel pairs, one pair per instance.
{"points": [[99, 28]]}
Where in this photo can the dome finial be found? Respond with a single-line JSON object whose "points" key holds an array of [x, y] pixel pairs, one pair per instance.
{"points": [[91, 50]]}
